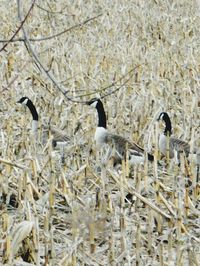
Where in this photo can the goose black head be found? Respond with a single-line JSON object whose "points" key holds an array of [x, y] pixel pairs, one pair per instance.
{"points": [[27, 102], [163, 116], [97, 103], [23, 100], [94, 102]]}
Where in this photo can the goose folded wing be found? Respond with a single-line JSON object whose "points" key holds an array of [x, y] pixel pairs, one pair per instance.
{"points": [[121, 145], [59, 136], [180, 145]]}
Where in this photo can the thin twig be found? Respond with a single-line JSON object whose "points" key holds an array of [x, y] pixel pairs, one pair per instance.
{"points": [[55, 35], [20, 27], [51, 77], [37, 60], [113, 84], [52, 12], [124, 83]]}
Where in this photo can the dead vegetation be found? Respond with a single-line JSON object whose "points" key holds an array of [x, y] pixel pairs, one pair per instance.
{"points": [[64, 207]]}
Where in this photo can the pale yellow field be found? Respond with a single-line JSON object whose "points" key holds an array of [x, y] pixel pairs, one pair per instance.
{"points": [[142, 57]]}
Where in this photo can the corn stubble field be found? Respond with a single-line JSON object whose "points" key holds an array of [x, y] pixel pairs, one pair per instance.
{"points": [[66, 207]]}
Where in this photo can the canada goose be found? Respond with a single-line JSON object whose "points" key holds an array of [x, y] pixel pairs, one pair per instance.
{"points": [[168, 144], [136, 154], [58, 137]]}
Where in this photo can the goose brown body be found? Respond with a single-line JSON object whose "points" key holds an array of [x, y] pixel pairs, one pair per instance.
{"points": [[167, 142], [122, 146]]}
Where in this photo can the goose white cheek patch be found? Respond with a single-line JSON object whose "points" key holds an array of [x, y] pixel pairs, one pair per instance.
{"points": [[25, 102], [94, 104], [161, 117]]}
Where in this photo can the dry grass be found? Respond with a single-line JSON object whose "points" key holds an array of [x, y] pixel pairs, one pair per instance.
{"points": [[73, 212]]}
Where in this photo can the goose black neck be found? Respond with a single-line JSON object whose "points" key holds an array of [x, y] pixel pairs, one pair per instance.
{"points": [[101, 114], [32, 109], [168, 126]]}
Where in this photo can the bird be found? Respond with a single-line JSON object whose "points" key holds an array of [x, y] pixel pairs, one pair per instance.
{"points": [[136, 154], [168, 145], [27, 102], [59, 138]]}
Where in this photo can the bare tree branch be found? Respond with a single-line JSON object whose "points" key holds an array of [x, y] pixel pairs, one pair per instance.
{"points": [[123, 84], [52, 78], [53, 12], [37, 60], [55, 35], [113, 84], [19, 28]]}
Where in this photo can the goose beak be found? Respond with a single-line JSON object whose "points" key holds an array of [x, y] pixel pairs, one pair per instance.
{"points": [[88, 102]]}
